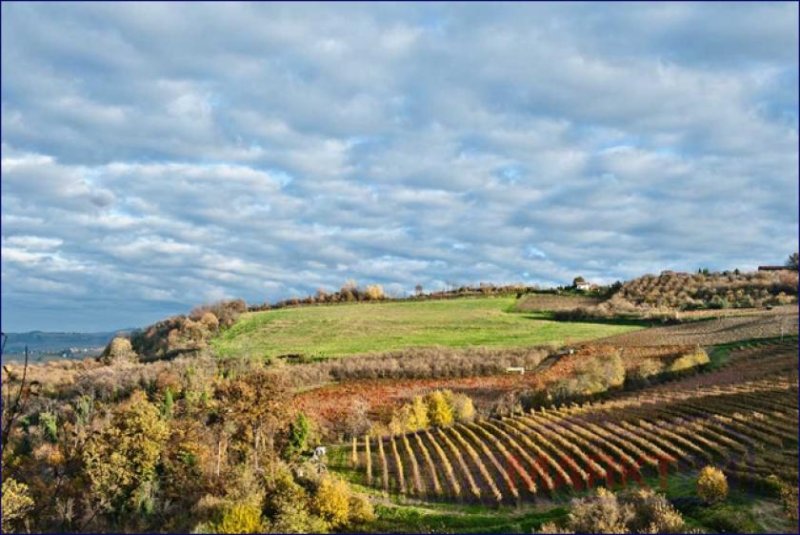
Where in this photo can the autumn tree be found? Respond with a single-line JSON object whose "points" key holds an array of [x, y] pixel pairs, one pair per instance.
{"points": [[418, 414], [121, 459], [332, 501], [287, 505], [462, 406], [357, 421], [258, 403], [440, 413], [119, 350], [374, 292], [186, 465]]}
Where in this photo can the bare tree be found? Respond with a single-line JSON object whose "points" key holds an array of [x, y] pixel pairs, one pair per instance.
{"points": [[14, 405]]}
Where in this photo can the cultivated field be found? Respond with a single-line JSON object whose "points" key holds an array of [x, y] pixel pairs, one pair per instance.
{"points": [[333, 331], [553, 302], [742, 417], [332, 403], [724, 328]]}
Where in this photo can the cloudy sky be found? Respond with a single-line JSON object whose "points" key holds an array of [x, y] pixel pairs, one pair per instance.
{"points": [[159, 156]]}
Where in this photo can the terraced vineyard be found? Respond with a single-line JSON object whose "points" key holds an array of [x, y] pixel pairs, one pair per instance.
{"points": [[743, 417]]}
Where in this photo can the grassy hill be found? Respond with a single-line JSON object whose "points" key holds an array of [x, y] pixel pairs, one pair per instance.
{"points": [[333, 331]]}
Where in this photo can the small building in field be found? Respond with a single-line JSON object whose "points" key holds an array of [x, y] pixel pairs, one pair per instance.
{"points": [[773, 268], [579, 283]]}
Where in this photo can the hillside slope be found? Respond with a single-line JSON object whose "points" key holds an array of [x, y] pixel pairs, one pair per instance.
{"points": [[687, 291], [332, 331]]}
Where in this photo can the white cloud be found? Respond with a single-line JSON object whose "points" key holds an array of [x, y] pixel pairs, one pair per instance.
{"points": [[157, 156]]}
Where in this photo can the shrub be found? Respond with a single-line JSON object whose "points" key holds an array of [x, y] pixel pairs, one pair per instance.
{"points": [[649, 367], [210, 321], [414, 363], [332, 501], [712, 485], [718, 302], [16, 503], [653, 513], [787, 494], [594, 376], [698, 357], [789, 500], [287, 505], [225, 312], [613, 370], [647, 370], [640, 511], [240, 518], [730, 520], [48, 421], [361, 510], [600, 513]]}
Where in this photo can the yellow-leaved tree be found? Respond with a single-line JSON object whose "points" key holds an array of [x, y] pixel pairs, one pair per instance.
{"points": [[440, 412], [122, 458], [332, 501]]}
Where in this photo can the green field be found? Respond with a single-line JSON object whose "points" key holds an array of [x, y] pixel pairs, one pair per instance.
{"points": [[339, 330]]}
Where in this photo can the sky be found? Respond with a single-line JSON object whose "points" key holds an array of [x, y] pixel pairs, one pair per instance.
{"points": [[160, 156]]}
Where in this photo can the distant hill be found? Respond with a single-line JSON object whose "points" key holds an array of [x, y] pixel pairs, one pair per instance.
{"points": [[49, 345]]}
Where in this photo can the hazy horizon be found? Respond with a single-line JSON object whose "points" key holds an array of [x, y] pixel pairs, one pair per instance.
{"points": [[158, 156]]}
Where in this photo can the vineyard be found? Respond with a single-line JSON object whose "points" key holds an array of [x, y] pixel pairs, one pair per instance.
{"points": [[743, 417]]}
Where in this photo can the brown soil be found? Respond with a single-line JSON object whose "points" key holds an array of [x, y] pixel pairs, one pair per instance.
{"points": [[550, 302]]}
